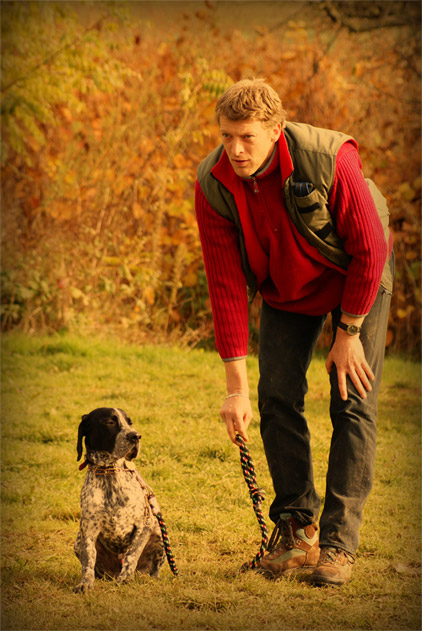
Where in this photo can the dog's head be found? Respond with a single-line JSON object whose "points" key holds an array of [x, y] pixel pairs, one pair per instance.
{"points": [[109, 436]]}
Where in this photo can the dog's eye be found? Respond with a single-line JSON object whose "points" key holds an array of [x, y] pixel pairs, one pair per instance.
{"points": [[112, 420], [129, 421]]}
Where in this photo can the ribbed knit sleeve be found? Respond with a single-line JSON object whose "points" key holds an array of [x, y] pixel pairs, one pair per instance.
{"points": [[358, 224], [226, 280]]}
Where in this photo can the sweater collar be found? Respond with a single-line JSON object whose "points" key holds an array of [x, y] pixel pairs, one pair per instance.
{"points": [[268, 167], [224, 172]]}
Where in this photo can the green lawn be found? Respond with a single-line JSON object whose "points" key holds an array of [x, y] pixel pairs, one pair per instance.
{"points": [[173, 397]]}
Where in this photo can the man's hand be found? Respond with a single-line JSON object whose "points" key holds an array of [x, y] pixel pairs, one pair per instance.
{"points": [[349, 357], [236, 412]]}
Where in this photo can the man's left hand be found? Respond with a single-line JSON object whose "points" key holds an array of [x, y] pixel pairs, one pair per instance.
{"points": [[349, 357]]}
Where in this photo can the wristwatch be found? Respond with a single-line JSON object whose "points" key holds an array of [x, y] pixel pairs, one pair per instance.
{"points": [[351, 329]]}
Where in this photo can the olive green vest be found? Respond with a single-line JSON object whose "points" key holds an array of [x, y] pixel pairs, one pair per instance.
{"points": [[313, 152]]}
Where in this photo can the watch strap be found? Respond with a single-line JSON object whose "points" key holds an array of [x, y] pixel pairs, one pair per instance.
{"points": [[351, 329]]}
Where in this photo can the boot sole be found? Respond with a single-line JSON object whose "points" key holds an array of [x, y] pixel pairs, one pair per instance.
{"points": [[295, 571], [321, 581]]}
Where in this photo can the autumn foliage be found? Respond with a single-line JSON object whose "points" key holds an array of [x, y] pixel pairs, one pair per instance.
{"points": [[104, 122]]}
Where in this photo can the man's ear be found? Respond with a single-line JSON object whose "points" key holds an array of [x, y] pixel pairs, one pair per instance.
{"points": [[276, 132]]}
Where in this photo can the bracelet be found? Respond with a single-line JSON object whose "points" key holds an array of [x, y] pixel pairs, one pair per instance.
{"points": [[236, 394]]}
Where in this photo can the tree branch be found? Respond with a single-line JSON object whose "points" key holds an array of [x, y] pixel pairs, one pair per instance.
{"points": [[362, 24]]}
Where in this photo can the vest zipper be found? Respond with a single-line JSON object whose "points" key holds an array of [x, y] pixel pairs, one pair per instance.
{"points": [[255, 185]]}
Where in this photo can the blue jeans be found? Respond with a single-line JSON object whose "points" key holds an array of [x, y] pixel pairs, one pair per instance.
{"points": [[287, 342]]}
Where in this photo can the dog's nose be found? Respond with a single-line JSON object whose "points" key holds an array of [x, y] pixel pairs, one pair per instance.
{"points": [[134, 437]]}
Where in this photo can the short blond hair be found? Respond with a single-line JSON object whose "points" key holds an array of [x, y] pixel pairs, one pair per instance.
{"points": [[251, 98]]}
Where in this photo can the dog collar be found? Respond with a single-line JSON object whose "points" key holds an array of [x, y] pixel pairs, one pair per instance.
{"points": [[101, 469], [105, 470]]}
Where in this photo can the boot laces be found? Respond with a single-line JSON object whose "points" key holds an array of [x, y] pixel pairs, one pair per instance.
{"points": [[330, 555], [281, 535]]}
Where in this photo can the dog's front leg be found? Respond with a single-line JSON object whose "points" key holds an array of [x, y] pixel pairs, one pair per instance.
{"points": [[134, 552], [87, 555]]}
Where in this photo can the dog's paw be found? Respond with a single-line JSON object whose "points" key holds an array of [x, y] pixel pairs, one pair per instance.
{"points": [[83, 587], [126, 575], [123, 578]]}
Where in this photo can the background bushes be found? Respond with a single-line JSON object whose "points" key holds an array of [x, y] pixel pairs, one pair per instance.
{"points": [[105, 117]]}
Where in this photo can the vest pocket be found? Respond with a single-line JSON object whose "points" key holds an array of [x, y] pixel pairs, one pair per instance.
{"points": [[312, 218], [313, 210]]}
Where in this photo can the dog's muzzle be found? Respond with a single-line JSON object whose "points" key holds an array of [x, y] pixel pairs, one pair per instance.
{"points": [[134, 438]]}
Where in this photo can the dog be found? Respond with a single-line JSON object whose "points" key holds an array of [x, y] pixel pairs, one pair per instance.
{"points": [[118, 533]]}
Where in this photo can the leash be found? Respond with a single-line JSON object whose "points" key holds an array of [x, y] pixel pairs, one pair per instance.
{"points": [[155, 509], [258, 495], [167, 547]]}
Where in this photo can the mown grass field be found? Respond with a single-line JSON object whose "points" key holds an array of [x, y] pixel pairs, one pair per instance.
{"points": [[173, 396]]}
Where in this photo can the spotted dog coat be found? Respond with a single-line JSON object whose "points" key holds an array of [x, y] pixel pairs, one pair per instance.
{"points": [[118, 531]]}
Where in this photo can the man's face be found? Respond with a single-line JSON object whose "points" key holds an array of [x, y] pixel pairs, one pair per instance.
{"points": [[248, 143]]}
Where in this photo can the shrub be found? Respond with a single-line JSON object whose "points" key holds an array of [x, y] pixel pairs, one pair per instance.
{"points": [[104, 121]]}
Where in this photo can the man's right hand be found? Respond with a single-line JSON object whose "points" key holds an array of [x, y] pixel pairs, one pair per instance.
{"points": [[236, 412]]}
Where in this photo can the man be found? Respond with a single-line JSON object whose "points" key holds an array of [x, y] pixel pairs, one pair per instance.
{"points": [[284, 208]]}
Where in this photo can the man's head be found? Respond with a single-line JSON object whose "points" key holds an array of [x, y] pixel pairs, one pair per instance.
{"points": [[251, 99], [250, 116]]}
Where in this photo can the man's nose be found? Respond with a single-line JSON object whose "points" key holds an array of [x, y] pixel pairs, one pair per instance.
{"points": [[237, 147]]}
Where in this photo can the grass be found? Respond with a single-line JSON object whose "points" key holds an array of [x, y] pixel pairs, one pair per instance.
{"points": [[173, 396]]}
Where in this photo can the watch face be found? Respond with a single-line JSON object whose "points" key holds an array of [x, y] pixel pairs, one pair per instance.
{"points": [[352, 329]]}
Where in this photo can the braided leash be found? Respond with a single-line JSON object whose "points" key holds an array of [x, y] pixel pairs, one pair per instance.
{"points": [[152, 500], [167, 547], [257, 494], [155, 509]]}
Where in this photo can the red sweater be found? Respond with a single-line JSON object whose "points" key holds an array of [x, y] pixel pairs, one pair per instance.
{"points": [[292, 275]]}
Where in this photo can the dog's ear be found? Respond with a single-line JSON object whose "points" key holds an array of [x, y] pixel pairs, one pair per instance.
{"points": [[81, 433]]}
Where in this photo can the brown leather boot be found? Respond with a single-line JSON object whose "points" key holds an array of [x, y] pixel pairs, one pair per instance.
{"points": [[334, 567], [292, 547]]}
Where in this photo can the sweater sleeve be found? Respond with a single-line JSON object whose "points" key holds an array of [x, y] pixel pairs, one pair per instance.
{"points": [[226, 280], [358, 224]]}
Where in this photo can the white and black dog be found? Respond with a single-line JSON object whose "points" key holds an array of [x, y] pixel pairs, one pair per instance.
{"points": [[118, 531]]}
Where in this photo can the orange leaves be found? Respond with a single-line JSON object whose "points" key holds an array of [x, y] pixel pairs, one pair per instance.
{"points": [[146, 146], [149, 295], [62, 209], [66, 114], [110, 175], [181, 162], [137, 210], [88, 194], [359, 69], [113, 186], [97, 128]]}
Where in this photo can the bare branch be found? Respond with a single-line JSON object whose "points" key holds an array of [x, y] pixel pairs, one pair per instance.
{"points": [[356, 17]]}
